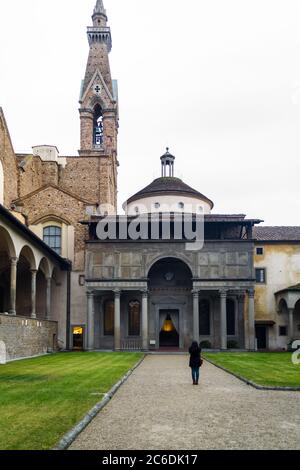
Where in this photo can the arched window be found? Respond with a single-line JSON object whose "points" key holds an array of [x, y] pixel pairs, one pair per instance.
{"points": [[230, 317], [134, 318], [204, 317], [98, 126], [52, 237], [1, 184], [109, 318]]}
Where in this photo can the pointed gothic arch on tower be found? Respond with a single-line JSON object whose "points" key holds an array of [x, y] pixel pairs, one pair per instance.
{"points": [[98, 126]]}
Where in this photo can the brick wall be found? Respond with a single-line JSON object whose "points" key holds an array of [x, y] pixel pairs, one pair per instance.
{"points": [[25, 337]]}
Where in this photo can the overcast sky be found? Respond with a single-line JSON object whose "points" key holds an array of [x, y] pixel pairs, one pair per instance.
{"points": [[217, 81]]}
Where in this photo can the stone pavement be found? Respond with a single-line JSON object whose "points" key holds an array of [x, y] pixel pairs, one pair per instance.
{"points": [[159, 409]]}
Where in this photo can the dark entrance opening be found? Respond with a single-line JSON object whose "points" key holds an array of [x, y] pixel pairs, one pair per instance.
{"points": [[261, 336], [169, 336], [78, 338]]}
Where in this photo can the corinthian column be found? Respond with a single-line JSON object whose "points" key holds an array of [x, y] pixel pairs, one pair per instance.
{"points": [[117, 320], [90, 322], [13, 285], [145, 321], [33, 292], [196, 316], [223, 322]]}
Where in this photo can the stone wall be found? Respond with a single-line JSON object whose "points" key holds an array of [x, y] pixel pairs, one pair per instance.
{"points": [[30, 174], [8, 160], [82, 177], [25, 337], [51, 202]]}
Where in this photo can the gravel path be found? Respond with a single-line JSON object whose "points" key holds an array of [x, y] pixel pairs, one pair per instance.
{"points": [[159, 409]]}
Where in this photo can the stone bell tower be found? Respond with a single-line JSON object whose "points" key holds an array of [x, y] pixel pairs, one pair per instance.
{"points": [[99, 106]]}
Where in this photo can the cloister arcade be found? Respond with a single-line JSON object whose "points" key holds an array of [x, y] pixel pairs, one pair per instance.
{"points": [[30, 282]]}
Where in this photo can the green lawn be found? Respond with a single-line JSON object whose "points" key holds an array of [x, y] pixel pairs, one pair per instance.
{"points": [[43, 398], [269, 369]]}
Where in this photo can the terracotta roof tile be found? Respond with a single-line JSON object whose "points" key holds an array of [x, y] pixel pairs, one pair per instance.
{"points": [[168, 185], [276, 233]]}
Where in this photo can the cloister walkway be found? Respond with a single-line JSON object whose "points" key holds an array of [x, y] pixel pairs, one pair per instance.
{"points": [[158, 408]]}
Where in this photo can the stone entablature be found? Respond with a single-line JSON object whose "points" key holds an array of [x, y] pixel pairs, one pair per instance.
{"points": [[217, 260]]}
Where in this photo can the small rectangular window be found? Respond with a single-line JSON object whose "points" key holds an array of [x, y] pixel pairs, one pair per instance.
{"points": [[282, 331], [260, 275], [259, 251]]}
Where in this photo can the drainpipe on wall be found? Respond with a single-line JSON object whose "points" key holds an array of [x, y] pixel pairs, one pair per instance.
{"points": [[68, 317]]}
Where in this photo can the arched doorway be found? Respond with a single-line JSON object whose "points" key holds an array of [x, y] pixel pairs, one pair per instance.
{"points": [[170, 284], [296, 332]]}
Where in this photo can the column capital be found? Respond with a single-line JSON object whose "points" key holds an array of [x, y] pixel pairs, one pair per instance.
{"points": [[195, 293], [117, 293], [34, 271], [14, 260], [223, 293], [145, 293], [90, 294], [251, 293]]}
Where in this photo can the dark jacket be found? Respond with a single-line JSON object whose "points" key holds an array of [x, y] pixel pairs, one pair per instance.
{"points": [[195, 357]]}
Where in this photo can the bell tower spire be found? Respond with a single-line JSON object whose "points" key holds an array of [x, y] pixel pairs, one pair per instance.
{"points": [[99, 101], [99, 10]]}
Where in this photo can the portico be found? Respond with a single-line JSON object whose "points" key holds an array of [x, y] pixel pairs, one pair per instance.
{"points": [[218, 319]]}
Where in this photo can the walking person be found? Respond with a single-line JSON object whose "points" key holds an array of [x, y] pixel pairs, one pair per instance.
{"points": [[195, 362]]}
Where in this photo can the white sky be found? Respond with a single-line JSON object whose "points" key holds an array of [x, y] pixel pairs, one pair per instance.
{"points": [[217, 81]]}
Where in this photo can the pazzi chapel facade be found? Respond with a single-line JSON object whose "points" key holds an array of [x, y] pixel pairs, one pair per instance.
{"points": [[64, 287]]}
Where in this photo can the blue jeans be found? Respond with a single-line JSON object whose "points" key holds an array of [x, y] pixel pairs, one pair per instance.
{"points": [[195, 374]]}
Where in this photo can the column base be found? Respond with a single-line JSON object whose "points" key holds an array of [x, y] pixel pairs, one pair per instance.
{"points": [[33, 316], [13, 313]]}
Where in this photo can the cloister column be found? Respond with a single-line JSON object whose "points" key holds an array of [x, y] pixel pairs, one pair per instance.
{"points": [[48, 298], [223, 319], [90, 322], [196, 316], [13, 285], [291, 324], [33, 292], [117, 320], [145, 321], [251, 320]]}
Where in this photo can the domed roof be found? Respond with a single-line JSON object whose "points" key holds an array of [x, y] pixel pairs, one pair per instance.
{"points": [[168, 186]]}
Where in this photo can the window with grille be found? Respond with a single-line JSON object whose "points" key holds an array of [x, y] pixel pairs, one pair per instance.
{"points": [[109, 318], [134, 318], [282, 331], [230, 317], [204, 318], [52, 237], [260, 275]]}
